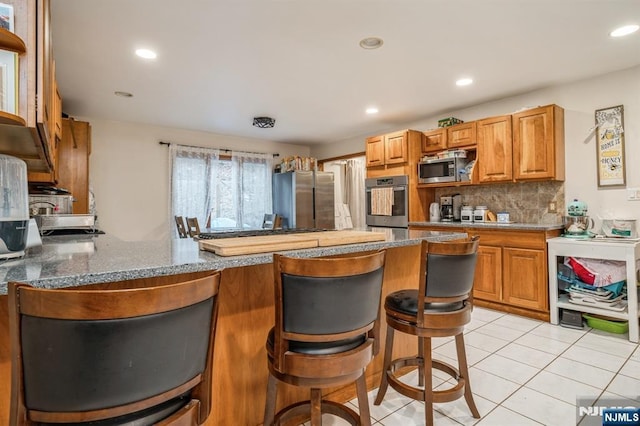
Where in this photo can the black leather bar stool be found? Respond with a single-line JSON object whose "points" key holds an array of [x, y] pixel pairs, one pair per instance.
{"points": [[127, 356], [444, 291], [326, 332]]}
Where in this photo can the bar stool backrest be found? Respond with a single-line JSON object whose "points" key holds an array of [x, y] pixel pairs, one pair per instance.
{"points": [[447, 271], [82, 355], [327, 299]]}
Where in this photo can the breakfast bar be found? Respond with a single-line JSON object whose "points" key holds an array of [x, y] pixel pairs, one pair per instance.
{"points": [[246, 302]]}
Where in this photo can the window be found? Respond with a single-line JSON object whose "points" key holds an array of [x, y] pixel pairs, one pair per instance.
{"points": [[222, 190]]}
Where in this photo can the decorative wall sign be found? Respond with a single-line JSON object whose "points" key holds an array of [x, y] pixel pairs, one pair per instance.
{"points": [[610, 146]]}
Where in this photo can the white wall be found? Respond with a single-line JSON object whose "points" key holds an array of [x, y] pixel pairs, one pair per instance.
{"points": [[579, 100], [129, 173]]}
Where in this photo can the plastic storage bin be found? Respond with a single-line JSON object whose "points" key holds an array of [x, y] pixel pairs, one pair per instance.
{"points": [[610, 325]]}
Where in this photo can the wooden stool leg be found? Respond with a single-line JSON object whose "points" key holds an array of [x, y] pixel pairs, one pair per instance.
{"points": [[384, 383], [428, 381], [421, 366], [270, 405], [464, 373], [316, 407], [363, 401]]}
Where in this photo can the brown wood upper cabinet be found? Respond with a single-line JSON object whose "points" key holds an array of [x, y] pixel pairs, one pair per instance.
{"points": [[462, 135], [538, 144], [494, 154], [33, 140], [391, 148], [434, 140]]}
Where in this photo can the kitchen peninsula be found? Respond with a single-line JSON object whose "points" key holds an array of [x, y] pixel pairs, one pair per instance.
{"points": [[246, 302]]}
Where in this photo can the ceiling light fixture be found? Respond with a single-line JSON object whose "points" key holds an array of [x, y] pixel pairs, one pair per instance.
{"points": [[371, 42], [264, 122], [123, 94], [146, 53], [464, 82], [623, 31], [372, 110]]}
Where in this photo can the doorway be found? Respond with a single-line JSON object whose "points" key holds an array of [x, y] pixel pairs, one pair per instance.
{"points": [[349, 175]]}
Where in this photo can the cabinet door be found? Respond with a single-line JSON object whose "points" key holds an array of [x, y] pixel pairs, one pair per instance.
{"points": [[375, 151], [434, 140], [461, 135], [73, 163], [487, 284], [395, 148], [525, 278], [535, 153], [494, 149]]}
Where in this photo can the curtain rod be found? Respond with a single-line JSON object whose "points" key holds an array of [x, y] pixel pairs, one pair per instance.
{"points": [[220, 149]]}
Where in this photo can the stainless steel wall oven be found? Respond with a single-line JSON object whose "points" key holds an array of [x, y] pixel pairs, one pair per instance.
{"points": [[387, 201]]}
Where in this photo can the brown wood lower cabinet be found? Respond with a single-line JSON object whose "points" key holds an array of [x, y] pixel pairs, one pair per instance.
{"points": [[511, 273]]}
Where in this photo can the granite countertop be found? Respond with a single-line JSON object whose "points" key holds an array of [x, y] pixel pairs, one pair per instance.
{"points": [[68, 261], [493, 225]]}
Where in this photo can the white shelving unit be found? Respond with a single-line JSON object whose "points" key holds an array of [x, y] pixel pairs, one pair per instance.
{"points": [[628, 251]]}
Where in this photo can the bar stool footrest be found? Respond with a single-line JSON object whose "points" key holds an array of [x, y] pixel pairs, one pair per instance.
{"points": [[445, 395], [301, 411]]}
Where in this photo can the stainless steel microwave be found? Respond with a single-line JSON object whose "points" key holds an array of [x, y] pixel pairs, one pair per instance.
{"points": [[442, 170]]}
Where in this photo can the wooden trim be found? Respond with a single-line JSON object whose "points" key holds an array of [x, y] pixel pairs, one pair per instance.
{"points": [[342, 157]]}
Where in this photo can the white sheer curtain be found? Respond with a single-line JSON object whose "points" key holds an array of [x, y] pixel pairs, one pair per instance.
{"points": [[354, 191], [232, 190], [193, 170], [251, 189]]}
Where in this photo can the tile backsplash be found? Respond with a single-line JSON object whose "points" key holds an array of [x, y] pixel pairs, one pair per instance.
{"points": [[526, 202]]}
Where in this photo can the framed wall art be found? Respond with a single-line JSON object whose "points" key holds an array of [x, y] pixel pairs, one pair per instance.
{"points": [[8, 81], [6, 16], [610, 146]]}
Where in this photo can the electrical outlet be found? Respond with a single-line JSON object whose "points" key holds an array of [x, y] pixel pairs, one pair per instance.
{"points": [[633, 194], [552, 207]]}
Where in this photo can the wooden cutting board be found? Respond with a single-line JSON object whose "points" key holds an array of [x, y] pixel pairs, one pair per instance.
{"points": [[253, 245], [272, 243], [336, 238]]}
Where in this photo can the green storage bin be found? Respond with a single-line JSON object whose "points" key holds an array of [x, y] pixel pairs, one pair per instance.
{"points": [[610, 325]]}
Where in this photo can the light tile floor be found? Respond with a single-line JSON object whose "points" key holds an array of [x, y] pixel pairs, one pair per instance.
{"points": [[523, 372]]}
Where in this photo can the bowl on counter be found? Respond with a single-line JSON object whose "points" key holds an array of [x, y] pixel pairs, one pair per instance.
{"points": [[577, 225]]}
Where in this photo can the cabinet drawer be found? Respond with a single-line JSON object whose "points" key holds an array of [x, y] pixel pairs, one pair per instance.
{"points": [[522, 239]]}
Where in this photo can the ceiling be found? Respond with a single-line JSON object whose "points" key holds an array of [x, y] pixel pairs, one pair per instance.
{"points": [[221, 63]]}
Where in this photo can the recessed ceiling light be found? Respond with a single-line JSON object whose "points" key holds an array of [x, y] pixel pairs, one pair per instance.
{"points": [[123, 94], [623, 31], [464, 82], [146, 53], [371, 42], [372, 110]]}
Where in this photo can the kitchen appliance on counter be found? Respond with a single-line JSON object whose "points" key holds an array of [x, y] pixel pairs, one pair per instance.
{"points": [[304, 199], [387, 201], [14, 207], [437, 170], [434, 212], [577, 224], [43, 204], [450, 206]]}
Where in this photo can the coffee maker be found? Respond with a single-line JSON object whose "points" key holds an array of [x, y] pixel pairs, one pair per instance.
{"points": [[450, 206]]}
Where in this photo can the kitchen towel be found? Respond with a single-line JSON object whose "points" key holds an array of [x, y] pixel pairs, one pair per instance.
{"points": [[381, 201]]}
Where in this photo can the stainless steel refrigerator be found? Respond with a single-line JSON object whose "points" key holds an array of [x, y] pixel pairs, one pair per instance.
{"points": [[304, 199]]}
